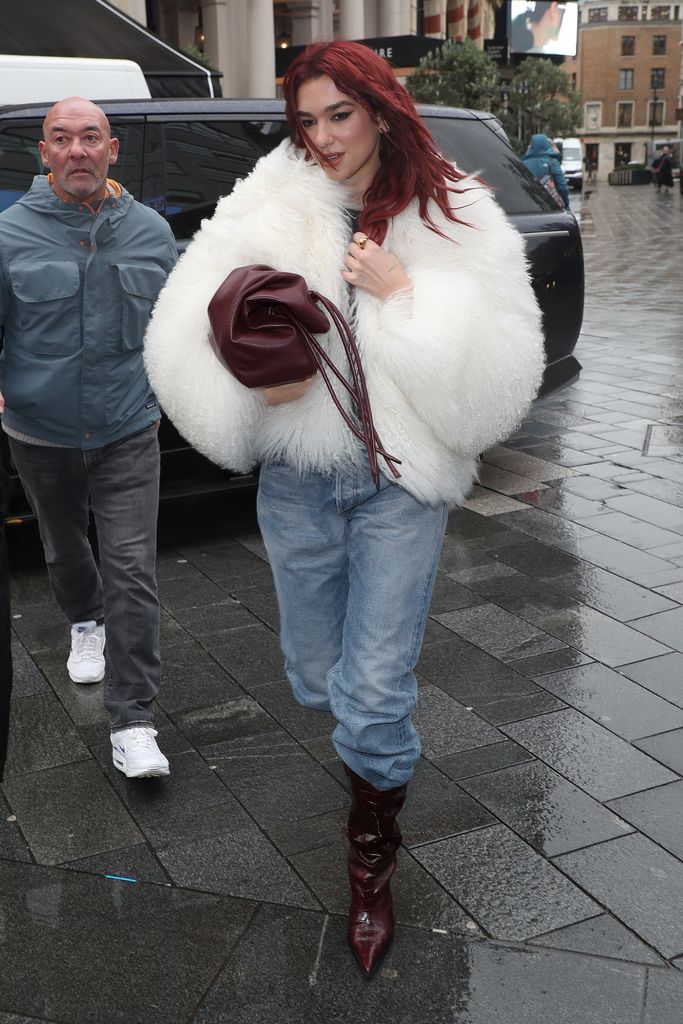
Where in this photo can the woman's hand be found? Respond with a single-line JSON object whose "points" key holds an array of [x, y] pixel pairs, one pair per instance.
{"points": [[372, 269], [287, 392]]}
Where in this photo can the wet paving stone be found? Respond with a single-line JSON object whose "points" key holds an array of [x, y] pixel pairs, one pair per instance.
{"points": [[69, 812], [541, 664], [667, 627], [184, 938], [241, 862], [664, 998], [221, 723], [601, 936], [259, 600], [27, 680], [497, 632], [42, 736], [449, 595], [622, 706], [191, 591], [303, 723], [251, 655], [301, 791], [136, 863], [263, 750], [639, 883], [609, 593], [515, 709], [225, 562], [436, 808], [191, 801], [471, 675], [207, 620], [418, 900], [445, 726], [667, 747], [594, 759], [663, 676], [12, 844], [543, 808], [649, 510], [292, 837], [534, 558], [508, 888], [657, 813], [41, 627], [191, 678], [482, 759]]}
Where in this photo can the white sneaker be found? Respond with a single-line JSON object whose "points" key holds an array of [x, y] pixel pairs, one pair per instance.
{"points": [[86, 660], [136, 754]]}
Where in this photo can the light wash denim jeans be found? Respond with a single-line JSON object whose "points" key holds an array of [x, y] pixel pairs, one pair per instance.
{"points": [[122, 482], [354, 570]]}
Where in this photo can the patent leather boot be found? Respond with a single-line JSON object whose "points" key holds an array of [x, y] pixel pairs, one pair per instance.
{"points": [[374, 838]]}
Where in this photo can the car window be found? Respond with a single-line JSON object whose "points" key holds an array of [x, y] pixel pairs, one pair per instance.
{"points": [[477, 149], [189, 165], [20, 160]]}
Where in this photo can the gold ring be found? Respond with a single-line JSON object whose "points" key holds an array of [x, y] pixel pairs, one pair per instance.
{"points": [[362, 242]]}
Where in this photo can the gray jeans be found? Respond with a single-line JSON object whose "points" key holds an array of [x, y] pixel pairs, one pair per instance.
{"points": [[121, 481]]}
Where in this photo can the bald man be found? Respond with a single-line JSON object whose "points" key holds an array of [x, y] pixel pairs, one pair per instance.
{"points": [[81, 265]]}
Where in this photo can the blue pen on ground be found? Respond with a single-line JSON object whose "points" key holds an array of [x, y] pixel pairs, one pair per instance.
{"points": [[121, 878]]}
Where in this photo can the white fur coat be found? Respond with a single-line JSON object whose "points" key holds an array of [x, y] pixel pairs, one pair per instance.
{"points": [[451, 368]]}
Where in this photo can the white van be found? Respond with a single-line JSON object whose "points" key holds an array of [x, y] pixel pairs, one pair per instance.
{"points": [[572, 161], [47, 79]]}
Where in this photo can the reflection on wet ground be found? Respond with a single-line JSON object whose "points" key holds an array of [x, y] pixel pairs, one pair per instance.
{"points": [[542, 870]]}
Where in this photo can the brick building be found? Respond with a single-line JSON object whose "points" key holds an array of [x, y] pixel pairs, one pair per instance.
{"points": [[628, 71], [240, 37]]}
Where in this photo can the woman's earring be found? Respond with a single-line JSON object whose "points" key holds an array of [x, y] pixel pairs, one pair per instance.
{"points": [[382, 126]]}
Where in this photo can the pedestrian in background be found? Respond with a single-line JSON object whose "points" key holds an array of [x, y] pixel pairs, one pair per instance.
{"points": [[662, 169], [362, 205], [81, 263], [543, 160]]}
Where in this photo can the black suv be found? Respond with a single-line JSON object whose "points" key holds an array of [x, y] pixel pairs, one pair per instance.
{"points": [[181, 156]]}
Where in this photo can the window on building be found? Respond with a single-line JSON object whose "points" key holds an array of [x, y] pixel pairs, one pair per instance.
{"points": [[598, 14], [656, 115], [660, 13], [626, 78], [659, 45], [593, 116], [628, 13], [622, 154], [657, 78], [628, 46], [624, 115]]}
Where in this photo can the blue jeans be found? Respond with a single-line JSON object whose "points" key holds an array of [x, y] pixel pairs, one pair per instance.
{"points": [[354, 570], [121, 480]]}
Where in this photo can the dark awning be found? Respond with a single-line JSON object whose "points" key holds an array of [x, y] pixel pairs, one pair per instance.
{"points": [[93, 28]]}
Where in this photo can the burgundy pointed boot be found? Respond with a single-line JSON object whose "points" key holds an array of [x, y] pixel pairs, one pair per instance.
{"points": [[374, 838]]}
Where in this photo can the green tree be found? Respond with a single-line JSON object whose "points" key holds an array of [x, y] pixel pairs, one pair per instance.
{"points": [[540, 99], [456, 75]]}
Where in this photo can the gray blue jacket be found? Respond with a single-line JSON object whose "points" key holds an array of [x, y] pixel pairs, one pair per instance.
{"points": [[76, 292], [542, 158]]}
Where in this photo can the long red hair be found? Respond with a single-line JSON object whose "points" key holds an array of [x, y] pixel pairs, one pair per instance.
{"points": [[411, 165]]}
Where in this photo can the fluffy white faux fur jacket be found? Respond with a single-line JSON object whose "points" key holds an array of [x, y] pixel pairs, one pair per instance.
{"points": [[450, 369]]}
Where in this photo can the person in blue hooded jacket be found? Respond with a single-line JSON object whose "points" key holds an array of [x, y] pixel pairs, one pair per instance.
{"points": [[543, 160], [81, 264]]}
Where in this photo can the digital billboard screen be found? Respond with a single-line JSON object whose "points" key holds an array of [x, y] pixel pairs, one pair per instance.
{"points": [[544, 27]]}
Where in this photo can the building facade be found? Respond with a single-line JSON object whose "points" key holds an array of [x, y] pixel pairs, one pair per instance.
{"points": [[240, 36], [628, 71]]}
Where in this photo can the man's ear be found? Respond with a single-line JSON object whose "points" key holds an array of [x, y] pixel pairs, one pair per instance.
{"points": [[42, 149], [113, 150]]}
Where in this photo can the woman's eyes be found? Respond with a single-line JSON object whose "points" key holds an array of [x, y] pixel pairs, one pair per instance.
{"points": [[341, 115]]}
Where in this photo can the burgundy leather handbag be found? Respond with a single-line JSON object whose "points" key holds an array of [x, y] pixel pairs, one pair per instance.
{"points": [[263, 323]]}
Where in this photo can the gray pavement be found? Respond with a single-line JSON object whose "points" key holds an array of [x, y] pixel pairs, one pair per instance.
{"points": [[542, 873]]}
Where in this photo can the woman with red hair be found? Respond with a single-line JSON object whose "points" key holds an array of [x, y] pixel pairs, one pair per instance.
{"points": [[433, 280]]}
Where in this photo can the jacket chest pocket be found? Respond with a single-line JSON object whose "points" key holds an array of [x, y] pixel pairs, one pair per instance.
{"points": [[140, 286], [48, 305]]}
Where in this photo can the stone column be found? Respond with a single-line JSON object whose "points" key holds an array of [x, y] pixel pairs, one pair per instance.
{"points": [[352, 19], [134, 8], [260, 48], [178, 22], [326, 32], [305, 21], [225, 28], [396, 18], [371, 19]]}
